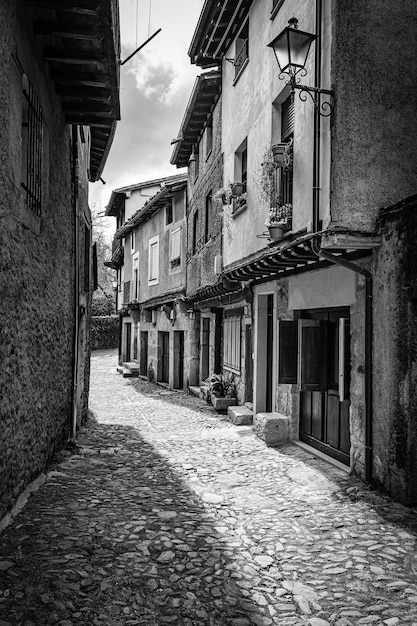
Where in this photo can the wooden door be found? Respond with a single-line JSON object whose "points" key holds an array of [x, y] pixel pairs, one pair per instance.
{"points": [[143, 355], [128, 340], [205, 348], [324, 378], [248, 364], [164, 357], [178, 359]]}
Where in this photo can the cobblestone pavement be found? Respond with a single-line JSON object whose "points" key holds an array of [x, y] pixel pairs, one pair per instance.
{"points": [[168, 514]]}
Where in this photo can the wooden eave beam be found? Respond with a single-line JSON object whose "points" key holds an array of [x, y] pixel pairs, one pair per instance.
{"points": [[225, 33], [78, 78], [83, 7], [92, 93], [73, 57], [75, 31], [87, 120]]}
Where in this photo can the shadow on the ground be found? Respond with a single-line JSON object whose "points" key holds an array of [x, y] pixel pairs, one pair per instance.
{"points": [[115, 537], [351, 487]]}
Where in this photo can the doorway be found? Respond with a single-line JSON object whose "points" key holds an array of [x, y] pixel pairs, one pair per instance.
{"points": [[163, 357], [324, 379], [178, 359], [143, 354], [205, 348], [128, 341]]}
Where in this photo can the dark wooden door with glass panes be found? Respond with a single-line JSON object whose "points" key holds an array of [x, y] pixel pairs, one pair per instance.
{"points": [[324, 380]]}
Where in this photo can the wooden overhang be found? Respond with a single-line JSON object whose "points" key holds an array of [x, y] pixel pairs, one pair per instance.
{"points": [[118, 196], [80, 40], [117, 257], [158, 201], [218, 25], [203, 99], [296, 256]]}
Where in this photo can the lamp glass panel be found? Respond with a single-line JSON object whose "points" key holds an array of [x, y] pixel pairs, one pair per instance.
{"points": [[299, 45], [280, 47]]}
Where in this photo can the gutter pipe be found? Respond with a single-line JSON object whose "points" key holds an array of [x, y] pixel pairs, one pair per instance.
{"points": [[76, 207]]}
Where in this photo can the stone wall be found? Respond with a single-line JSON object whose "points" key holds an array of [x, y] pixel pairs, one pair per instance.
{"points": [[36, 275], [104, 332], [395, 352], [200, 266]]}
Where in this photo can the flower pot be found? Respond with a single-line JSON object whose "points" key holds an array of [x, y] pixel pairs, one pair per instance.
{"points": [[279, 152], [276, 232], [238, 189]]}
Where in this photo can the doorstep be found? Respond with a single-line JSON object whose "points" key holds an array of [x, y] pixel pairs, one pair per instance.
{"points": [[321, 455]]}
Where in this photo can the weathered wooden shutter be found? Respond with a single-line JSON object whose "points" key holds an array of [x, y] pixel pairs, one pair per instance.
{"points": [[287, 352], [95, 267], [312, 361], [287, 118]]}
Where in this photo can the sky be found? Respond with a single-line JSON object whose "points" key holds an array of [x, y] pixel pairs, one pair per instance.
{"points": [[155, 86]]}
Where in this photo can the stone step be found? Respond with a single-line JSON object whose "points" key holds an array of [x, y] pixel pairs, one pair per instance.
{"points": [[133, 366], [273, 428], [221, 403], [194, 390], [125, 372], [240, 415]]}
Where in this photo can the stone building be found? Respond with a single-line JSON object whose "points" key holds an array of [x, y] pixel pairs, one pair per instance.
{"points": [[310, 302], [198, 147], [155, 339], [56, 128]]}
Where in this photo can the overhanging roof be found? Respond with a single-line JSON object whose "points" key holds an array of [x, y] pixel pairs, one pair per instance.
{"points": [[118, 195], [218, 25], [206, 92], [158, 201], [81, 44]]}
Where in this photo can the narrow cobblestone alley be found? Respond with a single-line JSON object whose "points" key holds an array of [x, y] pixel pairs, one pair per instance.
{"points": [[166, 513]]}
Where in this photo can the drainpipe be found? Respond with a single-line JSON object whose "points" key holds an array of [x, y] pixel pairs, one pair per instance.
{"points": [[317, 121], [76, 209], [354, 267]]}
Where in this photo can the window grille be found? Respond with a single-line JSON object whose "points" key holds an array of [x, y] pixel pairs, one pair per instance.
{"points": [[32, 141]]}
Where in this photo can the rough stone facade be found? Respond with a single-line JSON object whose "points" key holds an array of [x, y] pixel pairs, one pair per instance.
{"points": [[200, 263], [395, 341], [37, 273]]}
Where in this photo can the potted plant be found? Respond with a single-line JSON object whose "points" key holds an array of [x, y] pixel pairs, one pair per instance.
{"points": [[237, 189], [282, 154], [279, 220], [225, 193]]}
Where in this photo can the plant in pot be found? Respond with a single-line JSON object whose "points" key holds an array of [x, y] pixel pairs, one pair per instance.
{"points": [[278, 221], [282, 154]]}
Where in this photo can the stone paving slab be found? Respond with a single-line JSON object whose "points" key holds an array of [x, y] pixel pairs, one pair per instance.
{"points": [[166, 513]]}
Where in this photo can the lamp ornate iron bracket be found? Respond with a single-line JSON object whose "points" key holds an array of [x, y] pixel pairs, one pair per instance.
{"points": [[326, 108]]}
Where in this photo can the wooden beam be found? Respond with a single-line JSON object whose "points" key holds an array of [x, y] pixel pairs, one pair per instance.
{"points": [[75, 31], [92, 93], [81, 108], [73, 57], [81, 7], [87, 120], [74, 77]]}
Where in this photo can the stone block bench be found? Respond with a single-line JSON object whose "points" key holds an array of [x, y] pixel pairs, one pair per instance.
{"points": [[221, 403], [272, 428], [240, 415]]}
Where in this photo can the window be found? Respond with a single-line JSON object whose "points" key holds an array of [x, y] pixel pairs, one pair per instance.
{"points": [[231, 343], [209, 218], [276, 5], [32, 140], [168, 213], [132, 241], [209, 137], [196, 161], [287, 134], [241, 174], [175, 254], [135, 282], [153, 263], [241, 51], [195, 232]]}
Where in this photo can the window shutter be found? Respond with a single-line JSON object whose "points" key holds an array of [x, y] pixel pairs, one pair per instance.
{"points": [[175, 244], [312, 348], [287, 118], [287, 351]]}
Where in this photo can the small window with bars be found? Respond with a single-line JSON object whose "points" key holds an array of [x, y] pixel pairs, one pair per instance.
{"points": [[32, 147]]}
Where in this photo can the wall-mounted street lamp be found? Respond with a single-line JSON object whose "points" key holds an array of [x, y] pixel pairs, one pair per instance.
{"points": [[291, 48]]}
